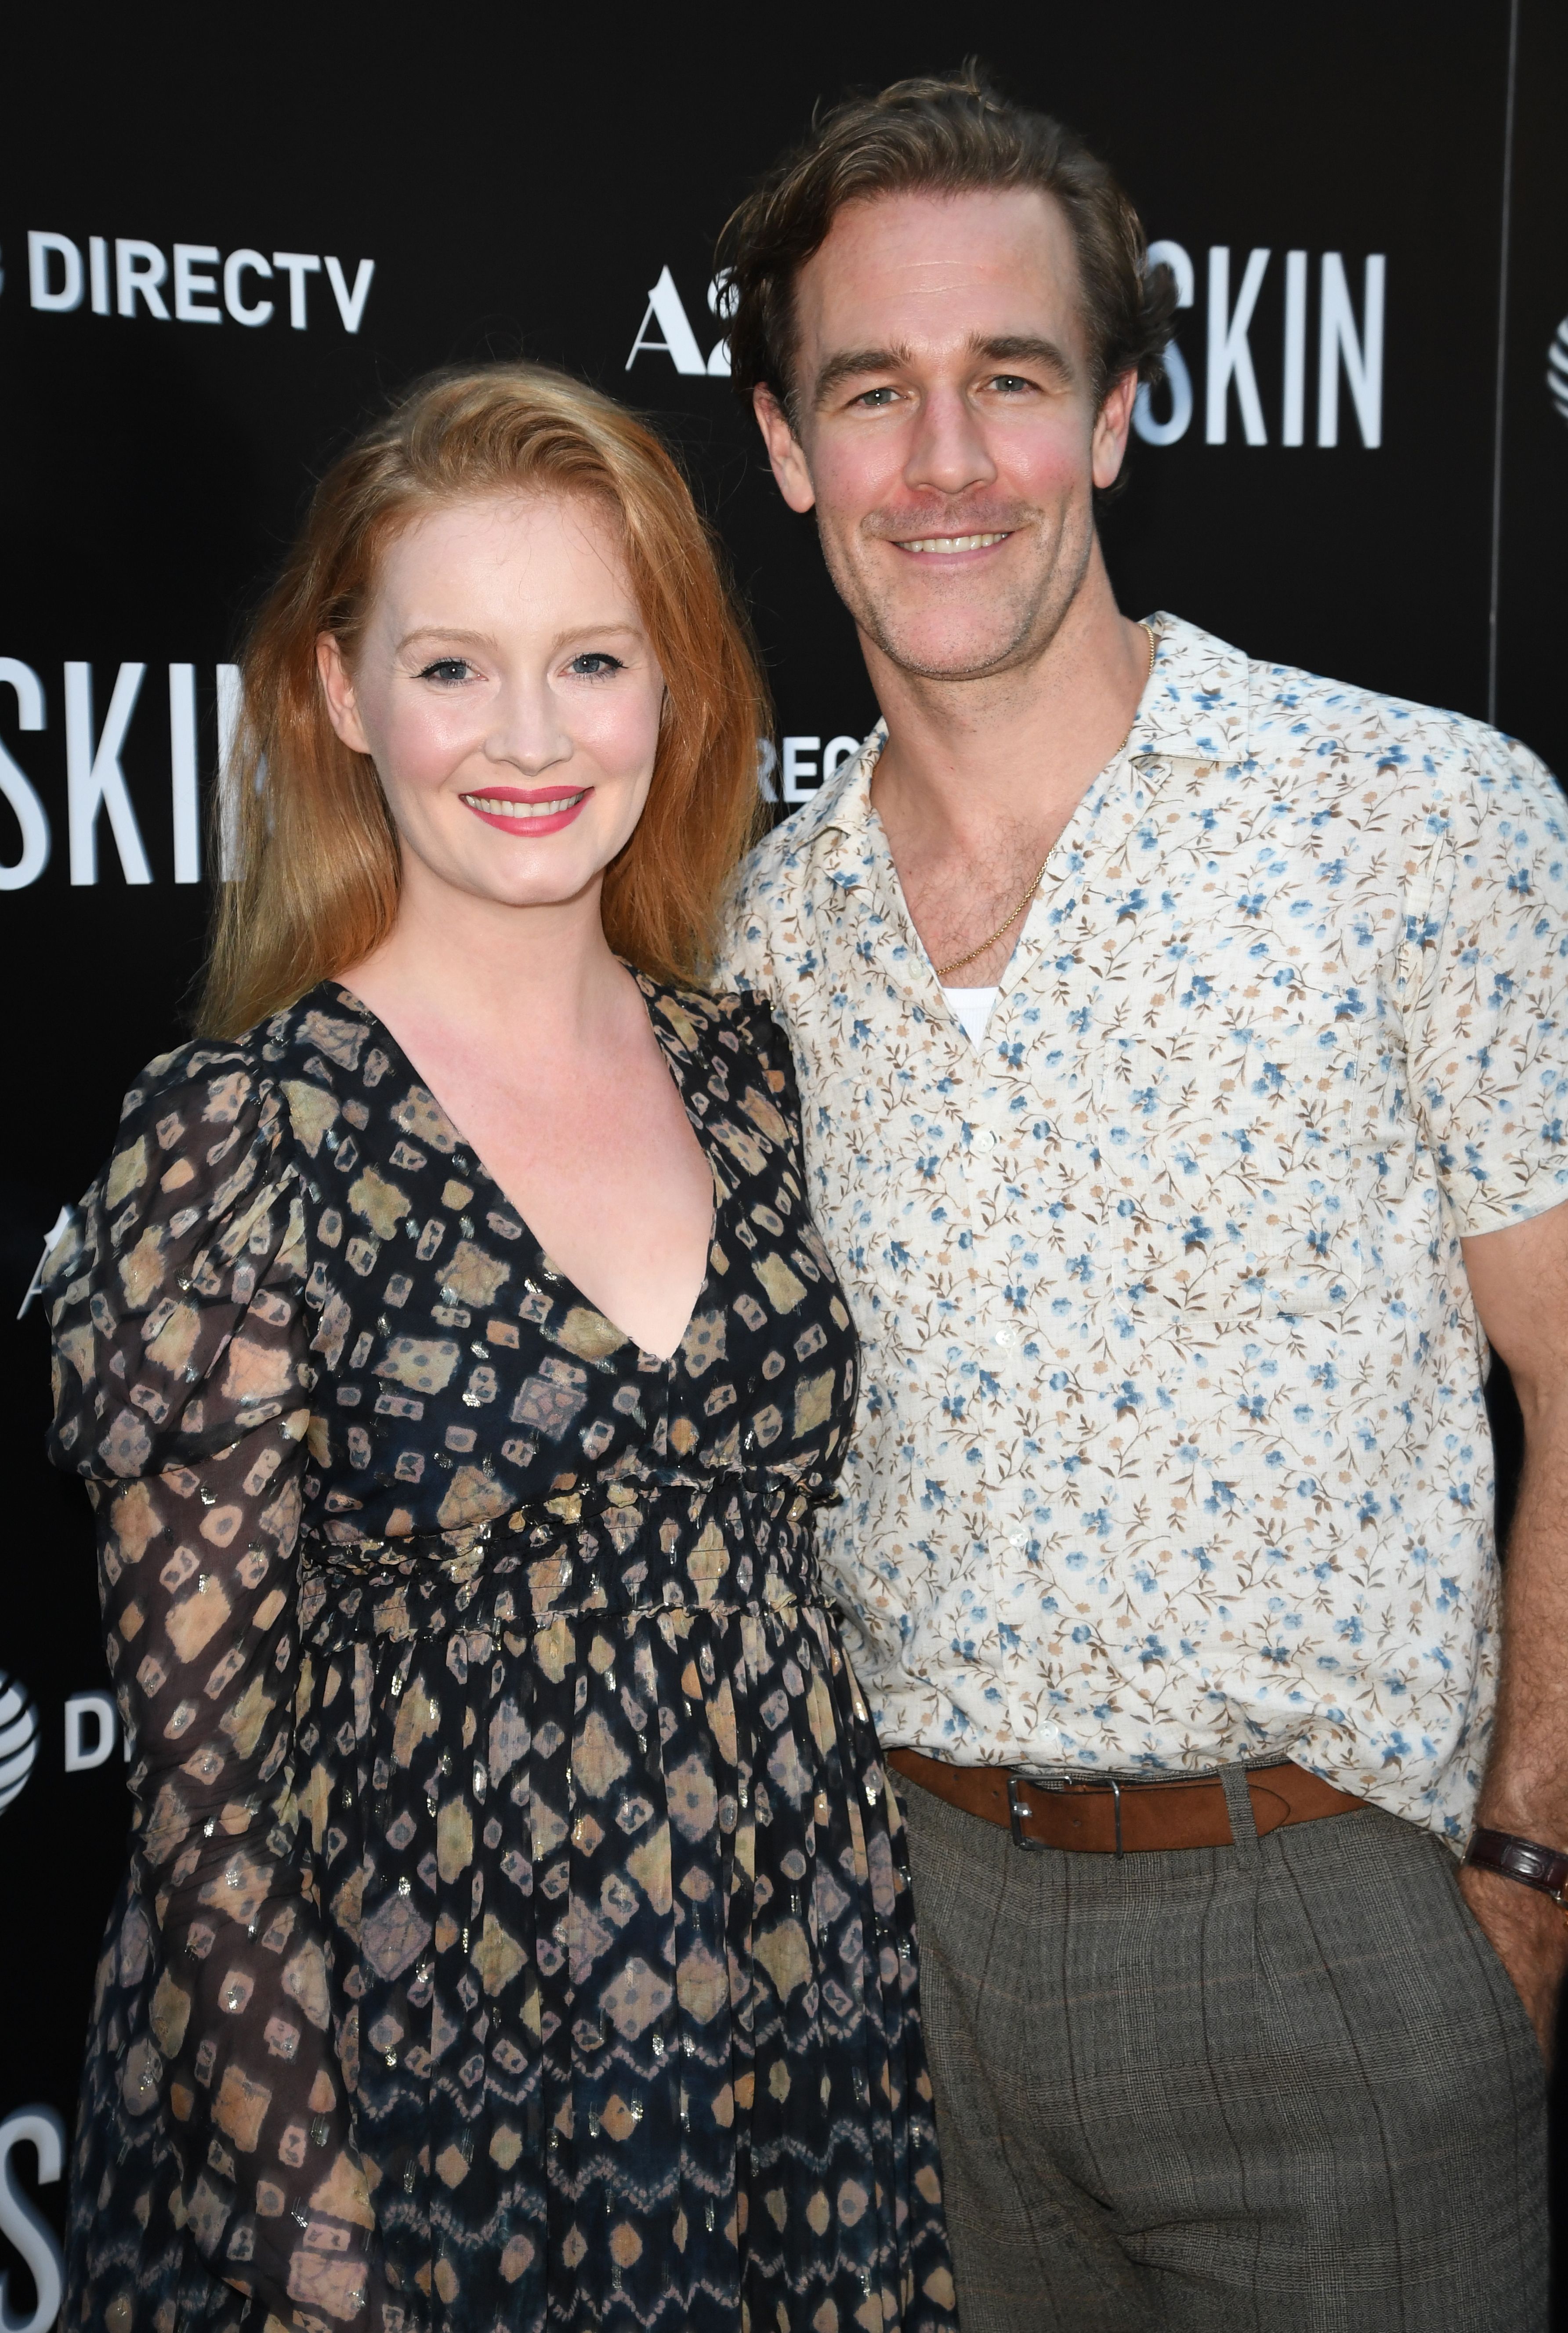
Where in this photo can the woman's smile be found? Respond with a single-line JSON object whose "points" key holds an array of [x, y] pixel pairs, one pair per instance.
{"points": [[545, 813]]}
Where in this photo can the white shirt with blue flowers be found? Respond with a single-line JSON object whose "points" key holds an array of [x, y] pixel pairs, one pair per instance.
{"points": [[1173, 1447]]}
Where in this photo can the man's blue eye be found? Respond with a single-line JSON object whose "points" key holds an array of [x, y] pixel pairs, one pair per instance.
{"points": [[873, 397]]}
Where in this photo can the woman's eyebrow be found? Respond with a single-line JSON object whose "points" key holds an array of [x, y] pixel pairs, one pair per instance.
{"points": [[459, 634], [629, 631], [440, 633]]}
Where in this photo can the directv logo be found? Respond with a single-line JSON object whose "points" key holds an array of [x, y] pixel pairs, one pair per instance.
{"points": [[18, 1739], [1557, 368]]}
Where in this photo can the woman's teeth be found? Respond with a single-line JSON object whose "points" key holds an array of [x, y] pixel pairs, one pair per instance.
{"points": [[503, 806], [940, 543]]}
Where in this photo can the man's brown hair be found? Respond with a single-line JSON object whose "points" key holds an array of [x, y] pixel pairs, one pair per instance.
{"points": [[955, 134]]}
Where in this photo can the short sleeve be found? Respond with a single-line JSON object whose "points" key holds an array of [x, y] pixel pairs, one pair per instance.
{"points": [[1486, 1025], [182, 1375], [743, 960]]}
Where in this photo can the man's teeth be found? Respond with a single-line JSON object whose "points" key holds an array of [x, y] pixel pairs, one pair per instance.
{"points": [[503, 806], [956, 541]]}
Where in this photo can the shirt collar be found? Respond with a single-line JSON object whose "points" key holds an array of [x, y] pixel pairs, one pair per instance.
{"points": [[843, 807], [1196, 705]]}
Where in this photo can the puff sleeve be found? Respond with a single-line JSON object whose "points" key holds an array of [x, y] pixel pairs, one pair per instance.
{"points": [[182, 1387]]}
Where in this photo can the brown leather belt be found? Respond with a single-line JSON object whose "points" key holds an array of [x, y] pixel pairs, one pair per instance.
{"points": [[1122, 1817]]}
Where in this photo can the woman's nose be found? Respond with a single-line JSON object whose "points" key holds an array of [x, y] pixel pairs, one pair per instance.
{"points": [[528, 732]]}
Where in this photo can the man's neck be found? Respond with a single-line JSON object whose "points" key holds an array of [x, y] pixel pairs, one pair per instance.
{"points": [[1006, 759]]}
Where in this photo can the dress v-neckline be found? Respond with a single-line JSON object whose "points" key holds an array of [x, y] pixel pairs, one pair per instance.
{"points": [[666, 1360]]}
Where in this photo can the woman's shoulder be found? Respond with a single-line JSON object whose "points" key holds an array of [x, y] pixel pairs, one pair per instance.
{"points": [[199, 1062], [212, 1080], [193, 1223], [736, 1048], [189, 1109], [715, 1024], [210, 1123]]}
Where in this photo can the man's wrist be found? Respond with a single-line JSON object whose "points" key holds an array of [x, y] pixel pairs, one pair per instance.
{"points": [[1528, 1861]]}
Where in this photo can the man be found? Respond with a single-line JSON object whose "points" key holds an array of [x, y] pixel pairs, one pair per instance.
{"points": [[1183, 1044]]}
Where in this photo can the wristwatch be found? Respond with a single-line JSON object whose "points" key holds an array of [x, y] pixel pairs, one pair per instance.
{"points": [[1524, 1859]]}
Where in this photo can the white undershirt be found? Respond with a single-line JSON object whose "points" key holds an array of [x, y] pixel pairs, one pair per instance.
{"points": [[973, 1009]]}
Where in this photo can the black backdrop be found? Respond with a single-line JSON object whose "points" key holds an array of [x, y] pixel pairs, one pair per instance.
{"points": [[450, 185]]}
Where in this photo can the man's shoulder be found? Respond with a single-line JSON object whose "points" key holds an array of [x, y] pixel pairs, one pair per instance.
{"points": [[1296, 715], [1426, 770], [785, 861]]}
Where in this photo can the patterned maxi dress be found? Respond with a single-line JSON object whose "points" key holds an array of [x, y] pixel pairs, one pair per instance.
{"points": [[517, 1932]]}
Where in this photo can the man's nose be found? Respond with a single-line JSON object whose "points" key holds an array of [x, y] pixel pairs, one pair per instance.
{"points": [[949, 453]]}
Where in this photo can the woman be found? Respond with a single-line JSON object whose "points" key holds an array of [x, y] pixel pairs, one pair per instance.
{"points": [[516, 1932]]}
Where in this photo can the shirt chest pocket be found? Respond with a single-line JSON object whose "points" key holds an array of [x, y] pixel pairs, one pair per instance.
{"points": [[1229, 1181]]}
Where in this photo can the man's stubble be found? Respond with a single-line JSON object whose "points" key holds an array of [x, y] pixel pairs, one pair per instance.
{"points": [[1026, 620]]}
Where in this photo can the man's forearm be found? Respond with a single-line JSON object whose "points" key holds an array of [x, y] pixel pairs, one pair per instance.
{"points": [[1526, 1787]]}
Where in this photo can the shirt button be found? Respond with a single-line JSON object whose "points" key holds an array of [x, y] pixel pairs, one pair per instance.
{"points": [[1005, 1337], [982, 1140]]}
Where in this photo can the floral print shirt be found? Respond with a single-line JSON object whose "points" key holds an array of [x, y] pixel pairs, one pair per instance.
{"points": [[1173, 1447]]}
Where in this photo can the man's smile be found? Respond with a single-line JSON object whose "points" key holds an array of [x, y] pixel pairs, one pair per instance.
{"points": [[945, 545]]}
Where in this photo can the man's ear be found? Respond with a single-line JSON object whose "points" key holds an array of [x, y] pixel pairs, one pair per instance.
{"points": [[338, 688], [784, 450], [1108, 447]]}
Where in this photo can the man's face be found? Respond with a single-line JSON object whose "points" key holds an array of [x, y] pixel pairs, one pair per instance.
{"points": [[947, 432]]}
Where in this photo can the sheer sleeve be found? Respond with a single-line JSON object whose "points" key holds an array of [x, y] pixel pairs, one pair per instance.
{"points": [[182, 1379], [769, 1092]]}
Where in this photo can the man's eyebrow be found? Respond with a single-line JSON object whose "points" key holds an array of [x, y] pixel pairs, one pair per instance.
{"points": [[1029, 347], [1015, 348], [850, 363]]}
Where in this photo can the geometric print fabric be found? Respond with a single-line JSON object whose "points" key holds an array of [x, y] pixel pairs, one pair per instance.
{"points": [[517, 1931]]}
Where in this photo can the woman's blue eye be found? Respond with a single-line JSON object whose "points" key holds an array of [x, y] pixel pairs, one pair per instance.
{"points": [[447, 671], [594, 664]]}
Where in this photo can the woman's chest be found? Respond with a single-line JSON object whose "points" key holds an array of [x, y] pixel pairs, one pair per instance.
{"points": [[605, 1169], [462, 1373]]}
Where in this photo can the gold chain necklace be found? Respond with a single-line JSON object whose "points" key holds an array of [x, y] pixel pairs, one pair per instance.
{"points": [[957, 963]]}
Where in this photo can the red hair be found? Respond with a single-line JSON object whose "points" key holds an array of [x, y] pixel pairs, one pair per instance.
{"points": [[319, 861]]}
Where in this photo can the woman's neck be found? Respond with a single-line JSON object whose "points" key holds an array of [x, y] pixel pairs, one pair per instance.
{"points": [[545, 973]]}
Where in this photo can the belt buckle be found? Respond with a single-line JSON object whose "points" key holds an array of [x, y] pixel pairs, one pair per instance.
{"points": [[1017, 1814]]}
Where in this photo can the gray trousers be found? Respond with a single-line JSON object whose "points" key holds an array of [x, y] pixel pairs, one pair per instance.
{"points": [[1284, 2084]]}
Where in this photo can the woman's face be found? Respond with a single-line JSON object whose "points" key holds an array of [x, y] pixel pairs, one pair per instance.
{"points": [[506, 691]]}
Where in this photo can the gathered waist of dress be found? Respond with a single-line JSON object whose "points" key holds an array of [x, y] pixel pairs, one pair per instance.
{"points": [[606, 1549]]}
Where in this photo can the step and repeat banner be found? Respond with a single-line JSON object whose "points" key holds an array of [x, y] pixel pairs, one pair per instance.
{"points": [[225, 239]]}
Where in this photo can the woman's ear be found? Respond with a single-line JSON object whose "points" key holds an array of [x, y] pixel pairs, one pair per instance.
{"points": [[338, 688]]}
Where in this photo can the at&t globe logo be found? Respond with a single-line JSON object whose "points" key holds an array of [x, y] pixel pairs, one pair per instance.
{"points": [[18, 1738], [1557, 368]]}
